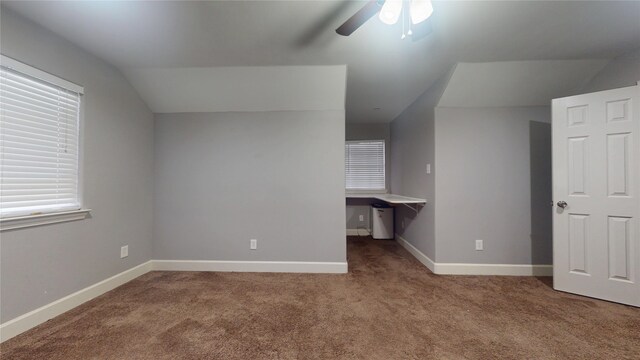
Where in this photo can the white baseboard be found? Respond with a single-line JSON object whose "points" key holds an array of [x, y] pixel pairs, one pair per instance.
{"points": [[251, 266], [36, 317], [424, 259], [358, 232], [494, 269], [475, 269]]}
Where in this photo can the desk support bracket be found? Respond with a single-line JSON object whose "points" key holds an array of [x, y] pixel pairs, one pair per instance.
{"points": [[415, 208]]}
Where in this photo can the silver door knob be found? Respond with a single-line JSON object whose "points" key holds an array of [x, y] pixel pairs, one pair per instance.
{"points": [[562, 204]]}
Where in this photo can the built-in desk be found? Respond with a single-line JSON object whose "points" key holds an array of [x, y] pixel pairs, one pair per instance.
{"points": [[393, 199]]}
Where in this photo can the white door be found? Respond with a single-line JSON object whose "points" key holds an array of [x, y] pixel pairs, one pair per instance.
{"points": [[596, 192]]}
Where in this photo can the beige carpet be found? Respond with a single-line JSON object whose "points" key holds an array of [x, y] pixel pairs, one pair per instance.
{"points": [[388, 307]]}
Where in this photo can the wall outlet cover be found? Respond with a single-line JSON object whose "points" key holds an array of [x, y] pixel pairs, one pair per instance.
{"points": [[124, 251], [253, 244], [479, 245]]}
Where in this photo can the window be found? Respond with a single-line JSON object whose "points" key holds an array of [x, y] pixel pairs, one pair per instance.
{"points": [[39, 141], [364, 165]]}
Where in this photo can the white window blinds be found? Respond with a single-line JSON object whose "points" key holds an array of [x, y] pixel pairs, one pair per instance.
{"points": [[364, 165], [39, 123]]}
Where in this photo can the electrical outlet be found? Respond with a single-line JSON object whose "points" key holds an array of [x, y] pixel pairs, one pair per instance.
{"points": [[479, 245], [361, 217], [428, 168], [124, 251], [254, 244]]}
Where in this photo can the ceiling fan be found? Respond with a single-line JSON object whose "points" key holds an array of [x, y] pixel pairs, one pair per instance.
{"points": [[390, 12]]}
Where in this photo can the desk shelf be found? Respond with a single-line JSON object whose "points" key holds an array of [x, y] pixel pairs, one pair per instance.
{"points": [[412, 203]]}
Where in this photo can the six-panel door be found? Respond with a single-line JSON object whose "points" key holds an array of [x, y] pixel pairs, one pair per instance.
{"points": [[596, 155]]}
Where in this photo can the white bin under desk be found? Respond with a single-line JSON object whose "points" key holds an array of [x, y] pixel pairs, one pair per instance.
{"points": [[382, 223]]}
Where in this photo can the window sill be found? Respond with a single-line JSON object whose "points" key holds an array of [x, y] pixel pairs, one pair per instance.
{"points": [[20, 222]]}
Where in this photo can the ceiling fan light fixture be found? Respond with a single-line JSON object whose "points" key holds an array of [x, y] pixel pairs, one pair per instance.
{"points": [[420, 10], [390, 12]]}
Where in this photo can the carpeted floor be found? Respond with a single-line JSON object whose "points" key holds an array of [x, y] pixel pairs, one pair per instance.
{"points": [[389, 306]]}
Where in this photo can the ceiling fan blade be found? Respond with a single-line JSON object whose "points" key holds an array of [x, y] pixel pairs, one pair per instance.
{"points": [[360, 17]]}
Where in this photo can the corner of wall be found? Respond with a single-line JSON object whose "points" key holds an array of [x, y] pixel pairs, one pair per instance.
{"points": [[443, 83], [621, 71], [413, 146]]}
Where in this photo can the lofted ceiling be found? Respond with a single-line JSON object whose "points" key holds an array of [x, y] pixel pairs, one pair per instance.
{"points": [[385, 74], [246, 88], [517, 83]]}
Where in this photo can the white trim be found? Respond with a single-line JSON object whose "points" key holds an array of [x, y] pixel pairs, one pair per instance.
{"points": [[494, 269], [19, 222], [36, 317], [81, 175], [476, 269], [424, 259], [39, 74], [251, 266], [359, 232]]}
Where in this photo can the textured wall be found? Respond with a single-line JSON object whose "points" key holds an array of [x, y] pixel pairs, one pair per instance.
{"points": [[489, 165], [412, 148], [40, 265], [225, 178]]}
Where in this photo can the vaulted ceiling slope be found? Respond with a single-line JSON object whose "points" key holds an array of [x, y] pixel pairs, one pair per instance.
{"points": [[383, 71], [248, 88], [517, 83]]}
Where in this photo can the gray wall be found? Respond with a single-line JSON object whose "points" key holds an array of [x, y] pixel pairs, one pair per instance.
{"points": [[222, 179], [487, 158], [357, 207], [367, 131], [620, 72], [40, 265], [412, 148], [540, 160]]}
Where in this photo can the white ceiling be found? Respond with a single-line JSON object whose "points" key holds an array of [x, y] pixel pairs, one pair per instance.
{"points": [[517, 83], [383, 71]]}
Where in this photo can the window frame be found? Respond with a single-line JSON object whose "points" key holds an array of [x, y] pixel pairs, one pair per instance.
{"points": [[17, 221], [384, 158]]}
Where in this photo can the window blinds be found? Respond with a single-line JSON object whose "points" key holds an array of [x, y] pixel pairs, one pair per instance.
{"points": [[364, 165], [39, 125]]}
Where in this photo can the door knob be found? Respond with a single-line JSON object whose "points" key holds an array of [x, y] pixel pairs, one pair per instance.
{"points": [[562, 204]]}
